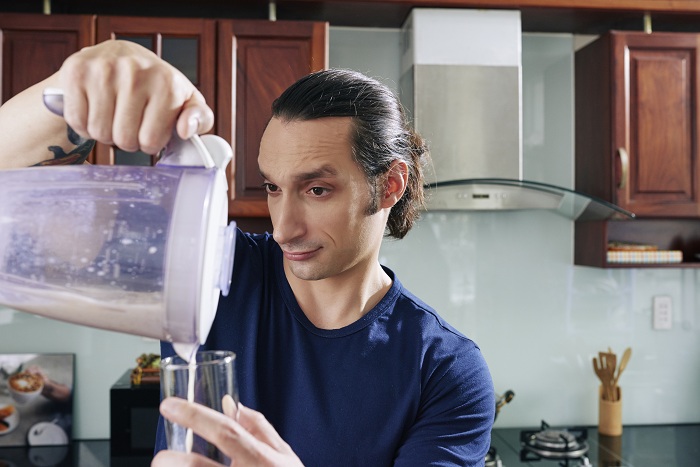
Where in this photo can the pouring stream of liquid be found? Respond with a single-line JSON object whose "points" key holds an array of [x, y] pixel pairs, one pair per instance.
{"points": [[189, 435], [188, 352]]}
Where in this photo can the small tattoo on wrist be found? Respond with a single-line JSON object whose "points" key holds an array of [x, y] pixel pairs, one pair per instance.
{"points": [[77, 155]]}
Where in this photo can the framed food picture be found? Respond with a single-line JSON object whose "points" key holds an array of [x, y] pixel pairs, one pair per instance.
{"points": [[36, 399]]}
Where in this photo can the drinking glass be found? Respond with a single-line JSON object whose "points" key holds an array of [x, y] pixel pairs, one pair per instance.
{"points": [[205, 381]]}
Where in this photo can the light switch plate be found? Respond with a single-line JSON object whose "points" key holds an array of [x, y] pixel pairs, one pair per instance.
{"points": [[662, 315]]}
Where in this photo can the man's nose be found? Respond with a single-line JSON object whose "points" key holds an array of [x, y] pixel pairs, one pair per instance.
{"points": [[287, 217]]}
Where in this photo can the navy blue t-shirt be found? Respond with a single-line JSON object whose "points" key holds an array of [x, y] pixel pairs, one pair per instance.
{"points": [[398, 387]]}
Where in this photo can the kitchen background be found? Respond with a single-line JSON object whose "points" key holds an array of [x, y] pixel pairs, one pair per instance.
{"points": [[506, 279]]}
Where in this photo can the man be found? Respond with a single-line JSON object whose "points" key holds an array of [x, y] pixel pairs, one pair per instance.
{"points": [[339, 364]]}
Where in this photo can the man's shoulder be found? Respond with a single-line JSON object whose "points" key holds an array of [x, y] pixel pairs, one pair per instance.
{"points": [[440, 343], [412, 309]]}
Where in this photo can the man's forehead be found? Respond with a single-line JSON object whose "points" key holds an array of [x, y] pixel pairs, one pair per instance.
{"points": [[306, 149]]}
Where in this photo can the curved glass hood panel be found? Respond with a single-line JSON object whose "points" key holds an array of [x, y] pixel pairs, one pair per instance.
{"points": [[495, 194]]}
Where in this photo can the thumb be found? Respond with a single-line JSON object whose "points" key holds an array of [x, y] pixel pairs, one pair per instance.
{"points": [[196, 117]]}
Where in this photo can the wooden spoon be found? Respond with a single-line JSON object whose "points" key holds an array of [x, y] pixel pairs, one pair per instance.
{"points": [[623, 364]]}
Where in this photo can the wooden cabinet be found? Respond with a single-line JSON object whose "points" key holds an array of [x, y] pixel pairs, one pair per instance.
{"points": [[257, 61], [637, 140], [188, 44], [637, 122], [35, 46]]}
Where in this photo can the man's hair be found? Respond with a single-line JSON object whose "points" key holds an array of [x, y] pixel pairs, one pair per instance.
{"points": [[381, 133]]}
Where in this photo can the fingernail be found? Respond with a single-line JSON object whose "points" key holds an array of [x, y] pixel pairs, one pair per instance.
{"points": [[192, 126], [228, 406]]}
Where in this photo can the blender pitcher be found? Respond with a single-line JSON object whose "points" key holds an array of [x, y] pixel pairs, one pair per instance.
{"points": [[141, 250]]}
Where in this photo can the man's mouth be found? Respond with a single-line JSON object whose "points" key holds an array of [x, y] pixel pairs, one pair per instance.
{"points": [[300, 255]]}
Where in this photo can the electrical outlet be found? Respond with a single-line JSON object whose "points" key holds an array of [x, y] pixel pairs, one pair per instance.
{"points": [[663, 316]]}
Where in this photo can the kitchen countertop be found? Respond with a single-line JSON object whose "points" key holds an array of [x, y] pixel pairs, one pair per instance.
{"points": [[639, 446], [84, 453]]}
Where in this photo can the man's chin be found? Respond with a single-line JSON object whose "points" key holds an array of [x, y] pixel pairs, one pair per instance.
{"points": [[306, 272], [308, 276]]}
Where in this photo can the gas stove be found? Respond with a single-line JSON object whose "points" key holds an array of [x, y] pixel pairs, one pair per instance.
{"points": [[569, 446], [493, 459], [640, 445]]}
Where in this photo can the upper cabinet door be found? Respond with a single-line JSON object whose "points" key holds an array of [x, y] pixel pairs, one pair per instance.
{"points": [[637, 122], [656, 120], [187, 44], [257, 61], [35, 46]]}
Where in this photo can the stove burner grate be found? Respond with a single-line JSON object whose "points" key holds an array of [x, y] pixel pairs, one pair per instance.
{"points": [[493, 459], [549, 443]]}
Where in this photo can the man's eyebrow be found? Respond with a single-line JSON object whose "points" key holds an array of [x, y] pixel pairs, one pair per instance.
{"points": [[323, 171]]}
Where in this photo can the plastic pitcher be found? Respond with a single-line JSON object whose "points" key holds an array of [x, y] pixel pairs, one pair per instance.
{"points": [[141, 250]]}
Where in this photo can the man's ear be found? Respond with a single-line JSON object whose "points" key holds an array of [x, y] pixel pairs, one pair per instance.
{"points": [[394, 184]]}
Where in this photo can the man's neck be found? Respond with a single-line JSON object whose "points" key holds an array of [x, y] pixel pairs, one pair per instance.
{"points": [[340, 300]]}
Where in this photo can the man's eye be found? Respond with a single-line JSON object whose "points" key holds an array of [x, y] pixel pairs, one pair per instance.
{"points": [[318, 191], [270, 188]]}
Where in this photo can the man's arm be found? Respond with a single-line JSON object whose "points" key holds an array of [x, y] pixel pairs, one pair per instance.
{"points": [[27, 129], [77, 155], [457, 411], [115, 92]]}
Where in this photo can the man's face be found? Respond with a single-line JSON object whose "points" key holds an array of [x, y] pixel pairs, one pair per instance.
{"points": [[318, 198]]}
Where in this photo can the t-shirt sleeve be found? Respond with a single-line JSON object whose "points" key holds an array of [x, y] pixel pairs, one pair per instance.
{"points": [[456, 414]]}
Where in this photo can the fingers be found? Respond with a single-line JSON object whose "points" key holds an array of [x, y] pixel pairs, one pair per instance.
{"points": [[255, 423], [228, 435], [120, 93], [213, 426], [258, 426]]}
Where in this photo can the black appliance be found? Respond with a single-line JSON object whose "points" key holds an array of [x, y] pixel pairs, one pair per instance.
{"points": [[133, 420]]}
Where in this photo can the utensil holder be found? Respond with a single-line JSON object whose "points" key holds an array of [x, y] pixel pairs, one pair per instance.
{"points": [[610, 414]]}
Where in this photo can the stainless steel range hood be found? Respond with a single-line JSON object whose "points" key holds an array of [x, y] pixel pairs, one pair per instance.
{"points": [[461, 84], [508, 194]]}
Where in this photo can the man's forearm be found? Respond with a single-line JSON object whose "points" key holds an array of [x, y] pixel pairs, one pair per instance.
{"points": [[30, 134], [77, 155]]}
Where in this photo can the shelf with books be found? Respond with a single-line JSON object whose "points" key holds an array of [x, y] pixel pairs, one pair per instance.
{"points": [[638, 243]]}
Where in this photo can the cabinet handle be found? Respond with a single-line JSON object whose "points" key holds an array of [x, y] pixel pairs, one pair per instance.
{"points": [[625, 165]]}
